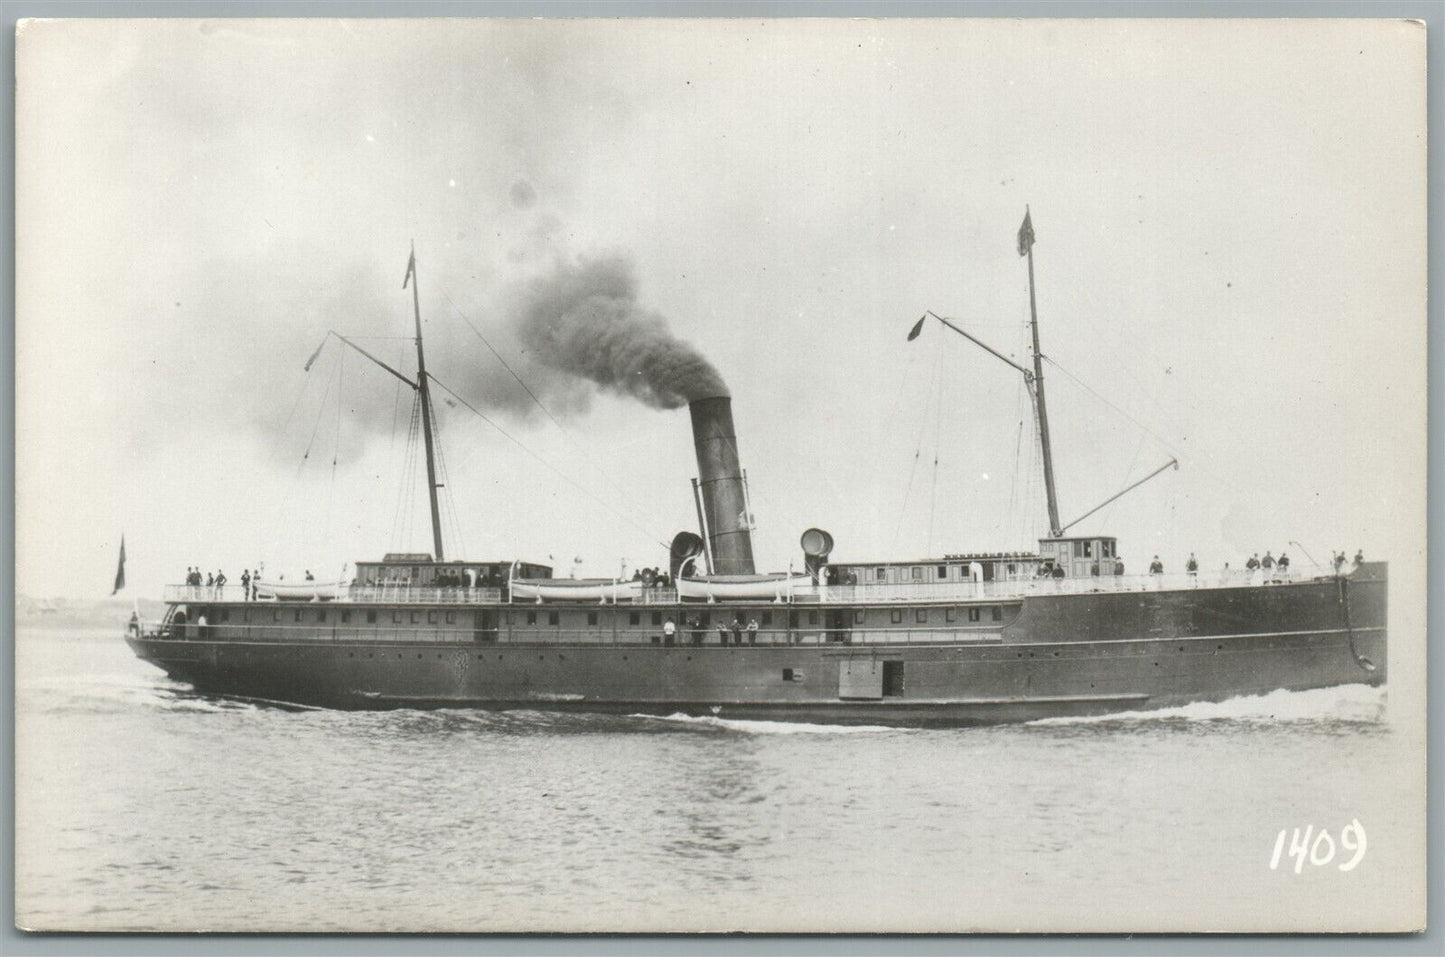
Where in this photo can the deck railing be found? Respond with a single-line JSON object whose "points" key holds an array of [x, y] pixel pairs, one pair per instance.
{"points": [[861, 593]]}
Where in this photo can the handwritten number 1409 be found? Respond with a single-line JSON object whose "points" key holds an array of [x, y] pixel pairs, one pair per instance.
{"points": [[1321, 850]]}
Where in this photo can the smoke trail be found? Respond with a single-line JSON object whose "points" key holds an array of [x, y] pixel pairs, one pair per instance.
{"points": [[583, 319]]}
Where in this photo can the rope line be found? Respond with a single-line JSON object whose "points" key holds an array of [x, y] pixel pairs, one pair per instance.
{"points": [[560, 474]]}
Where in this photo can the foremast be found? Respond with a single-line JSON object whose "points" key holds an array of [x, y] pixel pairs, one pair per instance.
{"points": [[426, 411], [1026, 248]]}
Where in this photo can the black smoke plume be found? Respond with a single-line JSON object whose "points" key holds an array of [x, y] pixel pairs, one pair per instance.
{"points": [[583, 319]]}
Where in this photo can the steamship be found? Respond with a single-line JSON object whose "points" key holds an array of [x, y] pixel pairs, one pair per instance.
{"points": [[962, 639]]}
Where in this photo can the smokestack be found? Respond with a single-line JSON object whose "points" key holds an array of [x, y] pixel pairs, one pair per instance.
{"points": [[721, 479]]}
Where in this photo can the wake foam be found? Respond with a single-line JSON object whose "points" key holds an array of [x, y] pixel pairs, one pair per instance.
{"points": [[747, 726], [1344, 704]]}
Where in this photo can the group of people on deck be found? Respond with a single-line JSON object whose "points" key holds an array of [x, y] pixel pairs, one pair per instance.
{"points": [[213, 583], [695, 626]]}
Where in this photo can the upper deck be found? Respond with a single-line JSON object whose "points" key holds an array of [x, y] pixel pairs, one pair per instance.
{"points": [[861, 593]]}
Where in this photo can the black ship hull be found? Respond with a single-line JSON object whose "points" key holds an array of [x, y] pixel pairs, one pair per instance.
{"points": [[1060, 655]]}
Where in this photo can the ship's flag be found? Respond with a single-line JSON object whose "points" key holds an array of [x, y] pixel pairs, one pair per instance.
{"points": [[917, 328], [309, 361], [410, 269], [120, 569], [1026, 234]]}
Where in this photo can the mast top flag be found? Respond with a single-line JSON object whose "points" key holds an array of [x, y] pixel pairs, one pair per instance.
{"points": [[120, 569], [1026, 234]]}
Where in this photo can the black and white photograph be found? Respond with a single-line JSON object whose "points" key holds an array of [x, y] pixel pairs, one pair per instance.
{"points": [[759, 475]]}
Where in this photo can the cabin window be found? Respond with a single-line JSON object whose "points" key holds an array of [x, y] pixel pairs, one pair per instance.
{"points": [[415, 617], [592, 618], [997, 613], [321, 616], [451, 617], [298, 614], [345, 617], [921, 616], [531, 617], [812, 617], [276, 615], [788, 674], [974, 614], [431, 618], [1088, 549], [950, 614], [245, 616], [634, 618], [882, 574], [896, 616], [1012, 568], [918, 573], [792, 619], [706, 619], [552, 617], [225, 614], [396, 617], [657, 618], [767, 618], [859, 617], [1078, 549], [942, 571], [371, 616]]}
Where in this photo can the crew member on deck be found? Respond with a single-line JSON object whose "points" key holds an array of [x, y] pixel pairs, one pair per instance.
{"points": [[737, 630], [1339, 561], [1094, 569], [1268, 563], [1359, 556], [1283, 565], [752, 631], [669, 631], [1156, 567], [246, 584], [1252, 564], [722, 633], [309, 576], [220, 583], [1192, 566], [696, 625], [1118, 566]]}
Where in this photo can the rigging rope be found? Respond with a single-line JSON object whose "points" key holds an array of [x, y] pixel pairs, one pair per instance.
{"points": [[937, 436], [917, 454], [513, 439], [566, 433]]}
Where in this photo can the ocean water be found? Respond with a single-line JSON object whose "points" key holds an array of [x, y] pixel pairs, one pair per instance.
{"points": [[142, 806]]}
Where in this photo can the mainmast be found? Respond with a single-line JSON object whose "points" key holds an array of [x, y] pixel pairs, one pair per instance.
{"points": [[426, 426], [1026, 248]]}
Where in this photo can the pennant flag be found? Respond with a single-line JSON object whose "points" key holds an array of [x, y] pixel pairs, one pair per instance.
{"points": [[120, 569], [307, 368], [410, 268], [917, 328], [1026, 234]]}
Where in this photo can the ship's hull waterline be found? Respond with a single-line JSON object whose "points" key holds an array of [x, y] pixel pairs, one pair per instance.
{"points": [[1062, 655]]}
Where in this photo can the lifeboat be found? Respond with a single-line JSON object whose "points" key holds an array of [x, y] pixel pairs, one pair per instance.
{"points": [[300, 591], [576, 589], [773, 587]]}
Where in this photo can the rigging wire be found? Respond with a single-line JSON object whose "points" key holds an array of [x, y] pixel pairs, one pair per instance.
{"points": [[937, 437], [1081, 384], [917, 454], [566, 433], [511, 438], [335, 447]]}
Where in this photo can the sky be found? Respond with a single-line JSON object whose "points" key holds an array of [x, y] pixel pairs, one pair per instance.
{"points": [[1230, 270]]}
